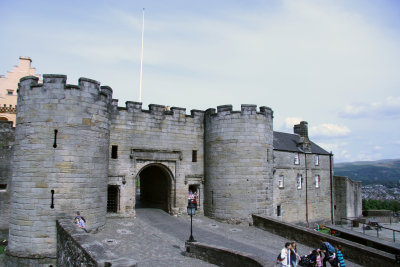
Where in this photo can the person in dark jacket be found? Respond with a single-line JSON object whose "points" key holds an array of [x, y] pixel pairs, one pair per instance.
{"points": [[294, 256], [329, 252]]}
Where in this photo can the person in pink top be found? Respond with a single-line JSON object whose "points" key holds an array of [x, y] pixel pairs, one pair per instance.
{"points": [[318, 258]]}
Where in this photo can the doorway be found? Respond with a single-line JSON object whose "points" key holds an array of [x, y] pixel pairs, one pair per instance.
{"points": [[154, 188]]}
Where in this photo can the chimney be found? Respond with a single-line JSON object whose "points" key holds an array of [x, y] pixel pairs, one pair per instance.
{"points": [[302, 130], [25, 62]]}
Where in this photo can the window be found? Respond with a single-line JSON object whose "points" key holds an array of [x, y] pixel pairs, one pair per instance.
{"points": [[296, 159], [3, 186], [278, 210], [10, 92], [316, 160], [317, 181], [114, 152], [280, 181], [299, 181], [194, 155]]}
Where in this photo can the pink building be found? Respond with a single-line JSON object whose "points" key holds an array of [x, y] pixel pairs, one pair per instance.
{"points": [[9, 86]]}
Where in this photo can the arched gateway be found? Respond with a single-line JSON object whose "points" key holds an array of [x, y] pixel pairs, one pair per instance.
{"points": [[154, 187]]}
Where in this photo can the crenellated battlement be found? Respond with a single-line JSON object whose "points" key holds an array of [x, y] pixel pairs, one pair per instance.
{"points": [[155, 109], [246, 109], [53, 82]]}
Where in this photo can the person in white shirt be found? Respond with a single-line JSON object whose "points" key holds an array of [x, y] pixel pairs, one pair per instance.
{"points": [[285, 255]]}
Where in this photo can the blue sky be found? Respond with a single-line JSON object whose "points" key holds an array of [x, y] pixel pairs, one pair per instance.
{"points": [[332, 63]]}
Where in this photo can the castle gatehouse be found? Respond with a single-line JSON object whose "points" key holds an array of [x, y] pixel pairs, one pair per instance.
{"points": [[74, 148]]}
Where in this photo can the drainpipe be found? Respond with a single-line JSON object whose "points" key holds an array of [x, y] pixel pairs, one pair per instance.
{"points": [[331, 185], [305, 162]]}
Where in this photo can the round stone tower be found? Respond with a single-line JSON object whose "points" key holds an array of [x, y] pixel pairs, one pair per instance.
{"points": [[238, 162], [60, 163]]}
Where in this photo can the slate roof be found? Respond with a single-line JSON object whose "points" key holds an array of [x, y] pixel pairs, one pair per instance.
{"points": [[288, 142]]}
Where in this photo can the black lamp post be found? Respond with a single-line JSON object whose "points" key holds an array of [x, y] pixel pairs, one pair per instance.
{"points": [[191, 210]]}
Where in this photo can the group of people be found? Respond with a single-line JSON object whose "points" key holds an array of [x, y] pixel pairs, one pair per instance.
{"points": [[192, 198], [289, 256]]}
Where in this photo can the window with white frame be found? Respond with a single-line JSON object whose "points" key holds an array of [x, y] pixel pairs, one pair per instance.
{"points": [[280, 181], [316, 160], [299, 181], [317, 181], [296, 159]]}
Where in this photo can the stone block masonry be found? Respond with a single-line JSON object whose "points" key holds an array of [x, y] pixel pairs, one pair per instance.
{"points": [[237, 168], [161, 137], [60, 160], [6, 144]]}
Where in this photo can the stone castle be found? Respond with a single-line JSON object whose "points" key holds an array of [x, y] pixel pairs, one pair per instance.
{"points": [[74, 148]]}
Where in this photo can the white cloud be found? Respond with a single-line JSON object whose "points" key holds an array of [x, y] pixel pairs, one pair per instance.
{"points": [[387, 107], [377, 148], [329, 130], [339, 150], [291, 121], [367, 156]]}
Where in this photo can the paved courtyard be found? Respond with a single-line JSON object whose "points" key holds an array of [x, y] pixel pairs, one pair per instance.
{"points": [[155, 238]]}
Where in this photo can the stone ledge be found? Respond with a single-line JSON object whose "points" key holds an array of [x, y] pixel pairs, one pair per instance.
{"points": [[77, 248], [369, 241], [355, 252], [223, 256]]}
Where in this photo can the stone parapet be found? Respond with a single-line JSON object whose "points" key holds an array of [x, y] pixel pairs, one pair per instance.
{"points": [[223, 256], [76, 248], [355, 252]]}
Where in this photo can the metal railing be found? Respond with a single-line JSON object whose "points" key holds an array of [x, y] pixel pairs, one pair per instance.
{"points": [[371, 224]]}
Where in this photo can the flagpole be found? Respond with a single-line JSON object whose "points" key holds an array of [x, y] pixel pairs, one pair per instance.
{"points": [[141, 61]]}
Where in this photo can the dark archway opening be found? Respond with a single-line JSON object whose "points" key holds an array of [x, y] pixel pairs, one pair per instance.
{"points": [[153, 188], [112, 198]]}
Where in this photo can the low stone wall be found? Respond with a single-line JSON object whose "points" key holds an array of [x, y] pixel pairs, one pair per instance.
{"points": [[369, 241], [355, 252], [77, 248], [223, 256]]}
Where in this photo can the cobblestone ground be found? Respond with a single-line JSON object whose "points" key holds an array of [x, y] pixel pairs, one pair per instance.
{"points": [[155, 238]]}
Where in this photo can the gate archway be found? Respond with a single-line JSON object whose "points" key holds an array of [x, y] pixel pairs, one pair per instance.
{"points": [[154, 187]]}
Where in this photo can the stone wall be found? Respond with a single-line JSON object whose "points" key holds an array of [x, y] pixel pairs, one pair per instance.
{"points": [[355, 252], [238, 162], [348, 198], [60, 160], [6, 143], [166, 138], [223, 256], [76, 248], [293, 200]]}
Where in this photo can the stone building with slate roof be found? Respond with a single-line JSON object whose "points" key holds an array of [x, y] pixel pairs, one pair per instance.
{"points": [[302, 178]]}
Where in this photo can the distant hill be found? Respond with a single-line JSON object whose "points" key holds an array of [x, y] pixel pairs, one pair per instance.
{"points": [[386, 172]]}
